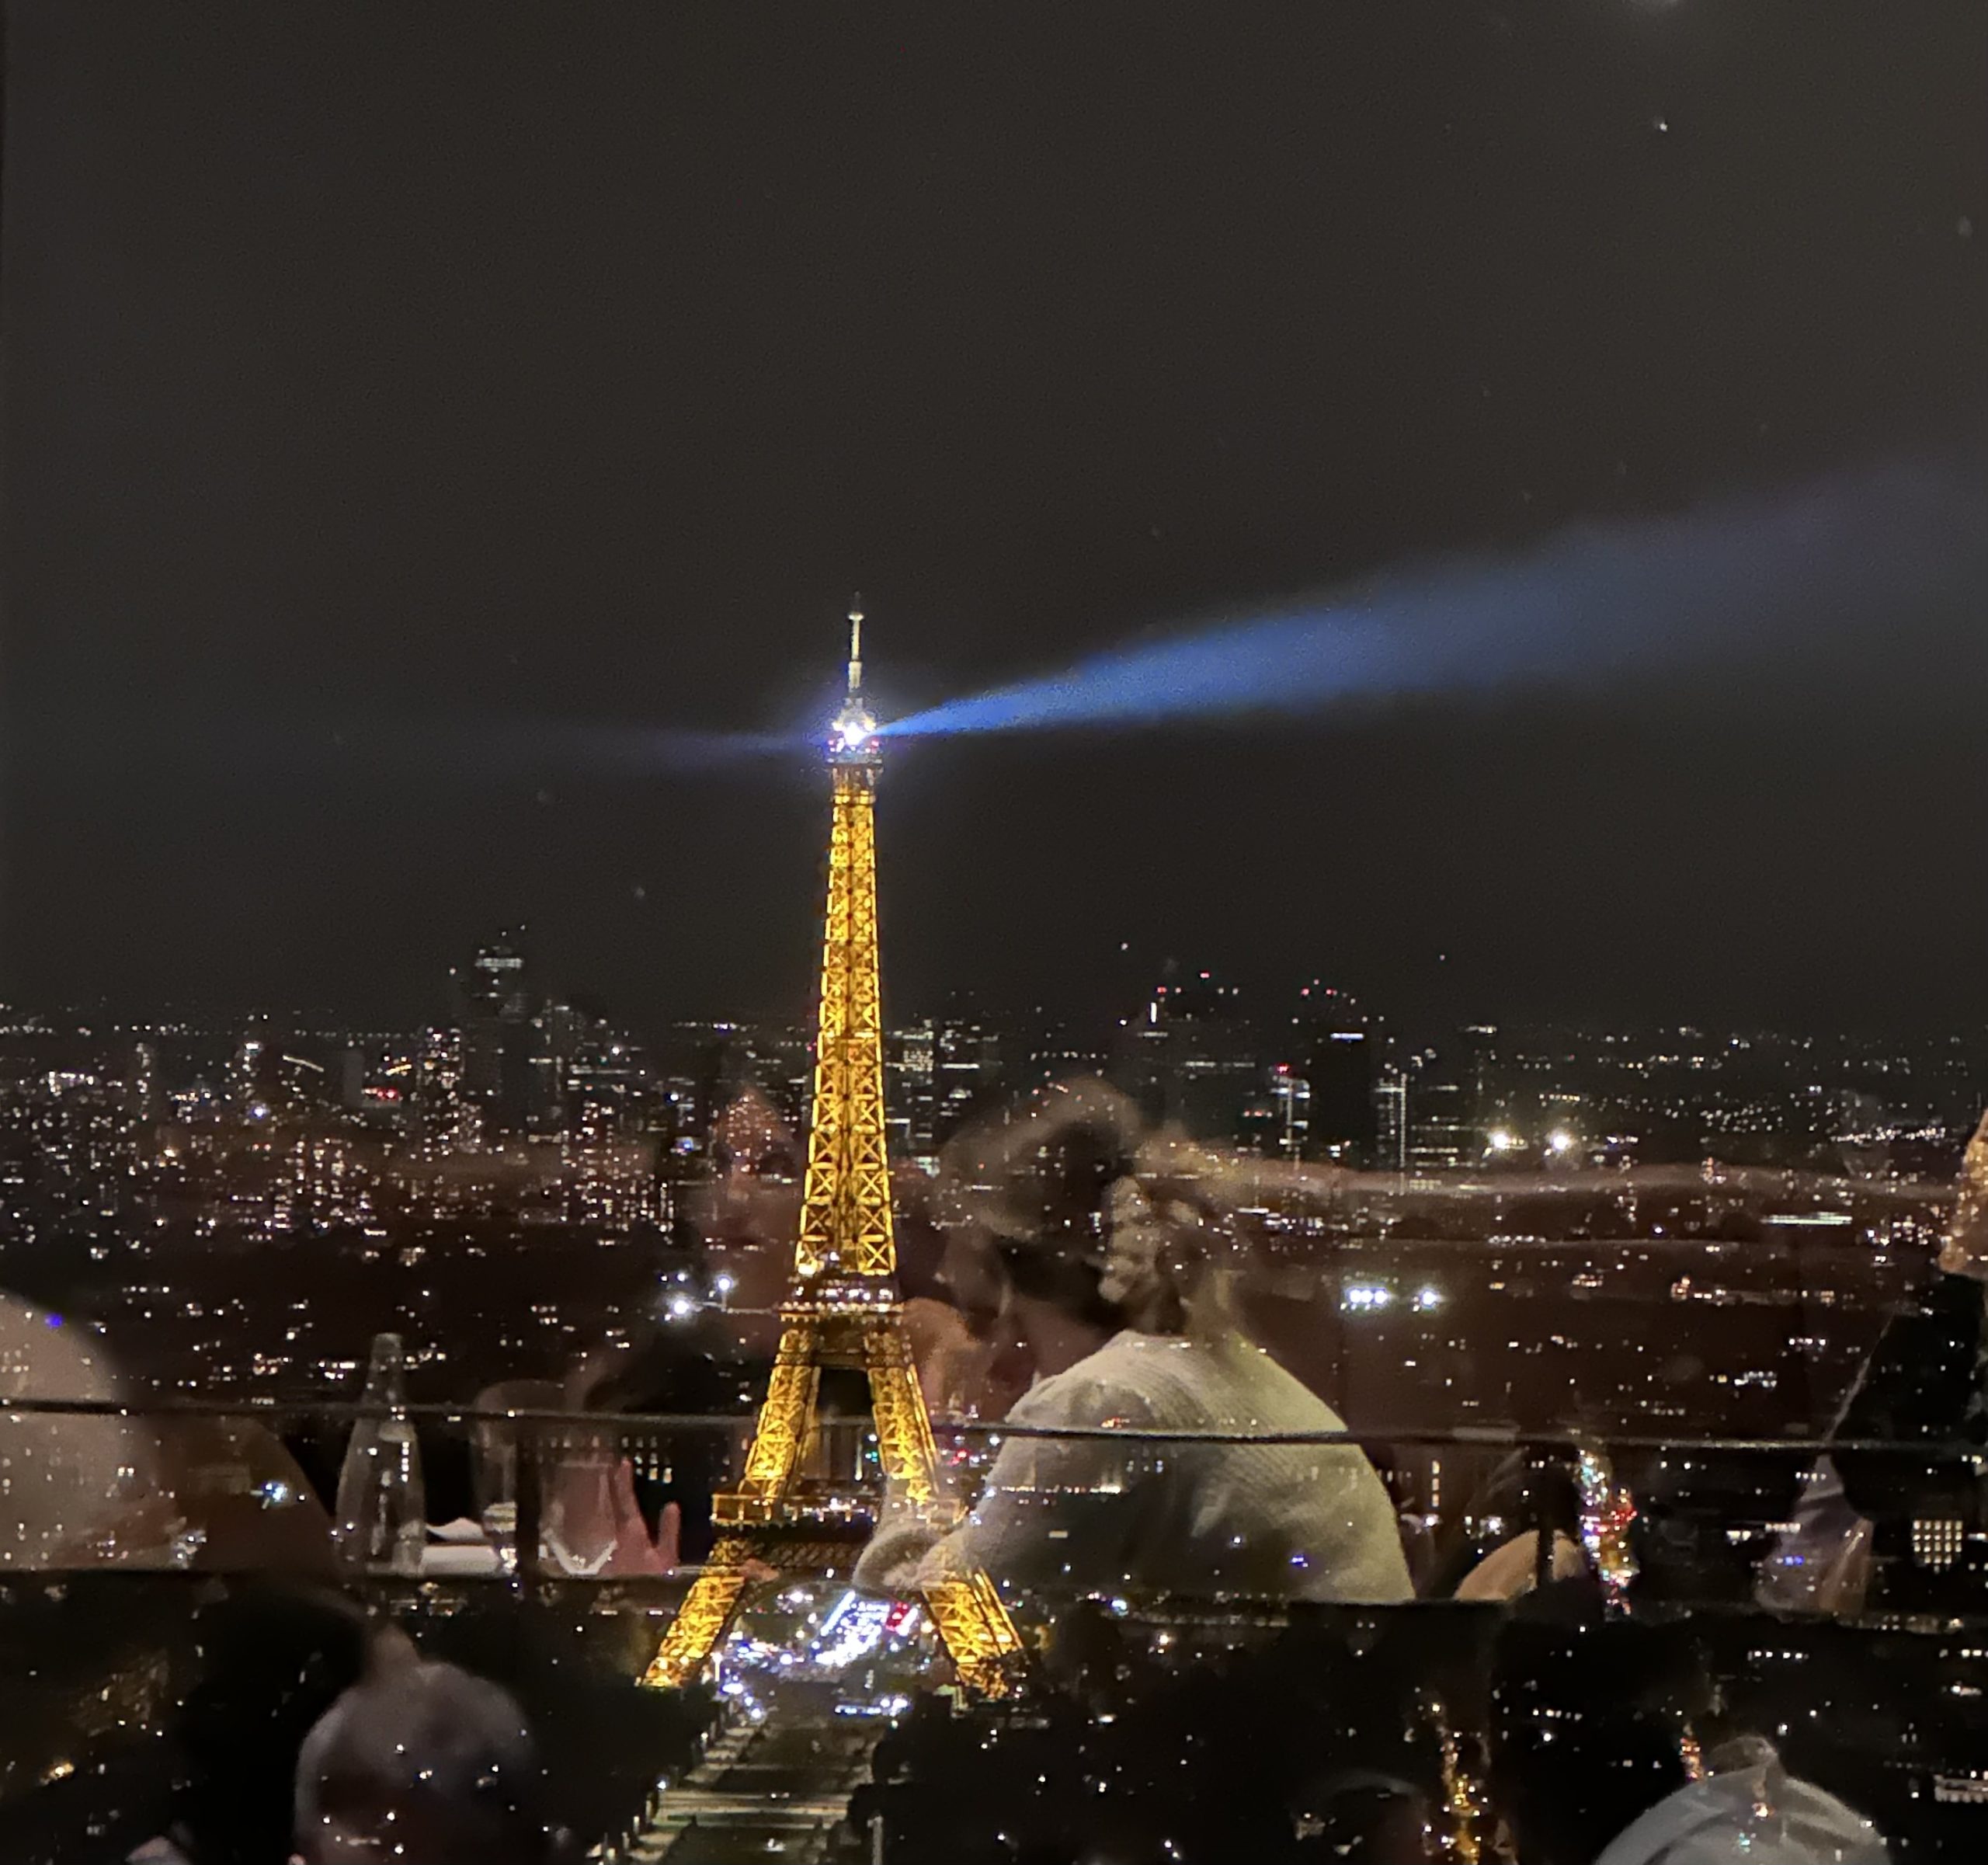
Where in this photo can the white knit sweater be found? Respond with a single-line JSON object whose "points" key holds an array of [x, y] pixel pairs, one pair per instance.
{"points": [[1264, 1521]]}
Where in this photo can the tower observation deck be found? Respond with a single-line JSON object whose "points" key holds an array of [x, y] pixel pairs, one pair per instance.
{"points": [[841, 1308]]}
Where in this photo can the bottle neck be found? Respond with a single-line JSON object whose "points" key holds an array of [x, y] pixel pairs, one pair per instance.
{"points": [[386, 1377]]}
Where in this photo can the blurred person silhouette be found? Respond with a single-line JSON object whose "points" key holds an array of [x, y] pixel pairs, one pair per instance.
{"points": [[422, 1763], [1016, 1224], [971, 1362], [1925, 1382], [744, 1218], [1496, 1565], [611, 1513], [742, 1223], [80, 1488], [1512, 1568], [1099, 1234], [744, 1215], [113, 1484], [1361, 1817], [1607, 1749], [1022, 1207], [649, 1513], [275, 1656]]}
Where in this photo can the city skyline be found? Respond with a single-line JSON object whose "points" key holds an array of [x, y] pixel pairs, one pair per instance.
{"points": [[1119, 857]]}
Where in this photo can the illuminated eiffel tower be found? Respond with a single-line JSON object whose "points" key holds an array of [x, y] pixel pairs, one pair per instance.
{"points": [[841, 1308]]}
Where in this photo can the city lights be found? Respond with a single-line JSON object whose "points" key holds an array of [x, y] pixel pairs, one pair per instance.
{"points": [[549, 1313]]}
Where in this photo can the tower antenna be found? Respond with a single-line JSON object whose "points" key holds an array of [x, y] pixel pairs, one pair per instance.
{"points": [[855, 645]]}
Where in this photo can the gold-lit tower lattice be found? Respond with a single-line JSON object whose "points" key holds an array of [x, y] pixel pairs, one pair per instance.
{"points": [[841, 1308]]}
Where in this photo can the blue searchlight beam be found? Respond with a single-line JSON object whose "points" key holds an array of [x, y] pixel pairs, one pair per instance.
{"points": [[1765, 575]]}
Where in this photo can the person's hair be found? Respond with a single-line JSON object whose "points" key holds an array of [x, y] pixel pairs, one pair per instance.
{"points": [[1359, 1816], [277, 1657], [1195, 1266], [1038, 1182], [443, 1759], [1594, 1719]]}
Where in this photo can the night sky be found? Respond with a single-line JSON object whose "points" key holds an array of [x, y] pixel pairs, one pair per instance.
{"points": [[410, 408]]}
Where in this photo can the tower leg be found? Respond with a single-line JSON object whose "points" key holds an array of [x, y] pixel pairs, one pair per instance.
{"points": [[972, 1624], [702, 1620], [904, 1446], [978, 1635], [786, 1418]]}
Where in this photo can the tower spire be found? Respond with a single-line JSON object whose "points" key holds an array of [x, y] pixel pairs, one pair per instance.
{"points": [[855, 645]]}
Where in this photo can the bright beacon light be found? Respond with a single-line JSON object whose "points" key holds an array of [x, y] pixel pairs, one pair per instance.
{"points": [[853, 736]]}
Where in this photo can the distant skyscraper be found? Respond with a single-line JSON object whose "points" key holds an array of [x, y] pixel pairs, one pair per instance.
{"points": [[1391, 1119], [1194, 1058], [911, 1092], [968, 1075], [444, 1117], [495, 1008], [144, 1082], [1052, 1049], [723, 1063], [1449, 1092], [252, 1072], [1336, 1057], [1276, 1122]]}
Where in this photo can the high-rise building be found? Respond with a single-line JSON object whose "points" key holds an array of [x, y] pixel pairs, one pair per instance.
{"points": [[1336, 1055], [443, 1116], [1194, 1058], [1391, 1119], [1275, 1122], [1449, 1092], [720, 1064], [1052, 1048], [969, 1077], [911, 1092], [495, 1007]]}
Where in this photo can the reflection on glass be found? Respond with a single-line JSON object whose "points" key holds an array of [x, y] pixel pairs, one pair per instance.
{"points": [[582, 1517], [382, 1500], [494, 1481]]}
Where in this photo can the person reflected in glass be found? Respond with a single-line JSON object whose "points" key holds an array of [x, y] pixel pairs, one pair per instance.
{"points": [[1608, 1747], [423, 1761], [1925, 1383], [1125, 1292], [114, 1484]]}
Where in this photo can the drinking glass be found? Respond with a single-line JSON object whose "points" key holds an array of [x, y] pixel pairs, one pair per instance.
{"points": [[493, 1483]]}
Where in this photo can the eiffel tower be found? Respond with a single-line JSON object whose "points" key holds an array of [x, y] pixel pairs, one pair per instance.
{"points": [[841, 1308]]}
